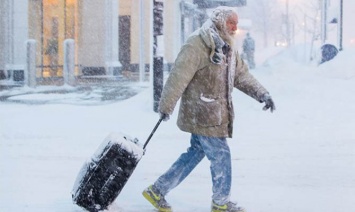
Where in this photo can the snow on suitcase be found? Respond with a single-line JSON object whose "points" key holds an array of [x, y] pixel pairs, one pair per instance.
{"points": [[102, 178]]}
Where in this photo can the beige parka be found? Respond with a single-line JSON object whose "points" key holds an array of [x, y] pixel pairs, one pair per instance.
{"points": [[205, 87]]}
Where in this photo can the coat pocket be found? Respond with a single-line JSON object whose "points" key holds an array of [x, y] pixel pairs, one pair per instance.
{"points": [[208, 113]]}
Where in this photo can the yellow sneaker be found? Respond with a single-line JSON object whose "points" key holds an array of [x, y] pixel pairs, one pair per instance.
{"points": [[229, 207], [156, 199]]}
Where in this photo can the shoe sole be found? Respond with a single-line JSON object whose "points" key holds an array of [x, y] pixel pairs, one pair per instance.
{"points": [[217, 210], [226, 210], [153, 202]]}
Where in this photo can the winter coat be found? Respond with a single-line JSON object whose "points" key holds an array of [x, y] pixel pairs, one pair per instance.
{"points": [[205, 87], [248, 45]]}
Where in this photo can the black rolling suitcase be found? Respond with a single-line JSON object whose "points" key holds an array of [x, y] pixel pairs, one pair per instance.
{"points": [[102, 178]]}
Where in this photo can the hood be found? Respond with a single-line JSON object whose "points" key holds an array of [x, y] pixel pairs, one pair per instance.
{"points": [[211, 38]]}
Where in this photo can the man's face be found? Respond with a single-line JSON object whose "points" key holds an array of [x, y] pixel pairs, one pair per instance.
{"points": [[231, 24]]}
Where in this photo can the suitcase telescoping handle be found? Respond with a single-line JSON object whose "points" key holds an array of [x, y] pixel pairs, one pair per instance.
{"points": [[151, 134]]}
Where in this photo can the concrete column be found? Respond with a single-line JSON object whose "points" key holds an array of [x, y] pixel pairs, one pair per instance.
{"points": [[141, 41], [324, 21], [98, 51], [69, 62], [9, 36], [30, 69], [16, 33], [111, 37]]}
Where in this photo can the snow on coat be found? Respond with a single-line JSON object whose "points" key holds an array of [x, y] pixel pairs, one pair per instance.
{"points": [[205, 87]]}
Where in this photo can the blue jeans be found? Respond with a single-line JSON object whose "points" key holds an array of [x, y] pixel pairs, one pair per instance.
{"points": [[217, 152]]}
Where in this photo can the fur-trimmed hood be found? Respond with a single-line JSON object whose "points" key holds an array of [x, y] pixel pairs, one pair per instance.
{"points": [[210, 36]]}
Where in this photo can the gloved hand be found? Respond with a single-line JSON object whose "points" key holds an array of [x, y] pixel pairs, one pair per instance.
{"points": [[269, 103], [164, 116]]}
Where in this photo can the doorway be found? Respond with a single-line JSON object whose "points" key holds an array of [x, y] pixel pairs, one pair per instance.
{"points": [[51, 22]]}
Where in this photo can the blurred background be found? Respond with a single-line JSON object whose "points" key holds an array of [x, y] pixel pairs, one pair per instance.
{"points": [[56, 42]]}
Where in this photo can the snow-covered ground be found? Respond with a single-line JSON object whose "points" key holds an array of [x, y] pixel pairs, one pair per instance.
{"points": [[301, 158]]}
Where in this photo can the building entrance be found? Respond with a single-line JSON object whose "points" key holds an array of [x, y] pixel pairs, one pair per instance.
{"points": [[53, 22]]}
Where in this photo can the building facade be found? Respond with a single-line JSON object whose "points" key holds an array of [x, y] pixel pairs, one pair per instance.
{"points": [[109, 35]]}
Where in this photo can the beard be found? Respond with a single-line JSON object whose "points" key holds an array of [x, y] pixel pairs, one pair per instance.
{"points": [[227, 36]]}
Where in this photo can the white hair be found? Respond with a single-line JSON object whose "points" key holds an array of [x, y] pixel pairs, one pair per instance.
{"points": [[220, 15], [218, 18]]}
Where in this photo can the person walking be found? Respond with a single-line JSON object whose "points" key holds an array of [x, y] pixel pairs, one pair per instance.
{"points": [[249, 49], [204, 74]]}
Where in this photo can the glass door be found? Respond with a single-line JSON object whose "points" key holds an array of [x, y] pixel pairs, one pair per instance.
{"points": [[53, 36], [51, 22]]}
